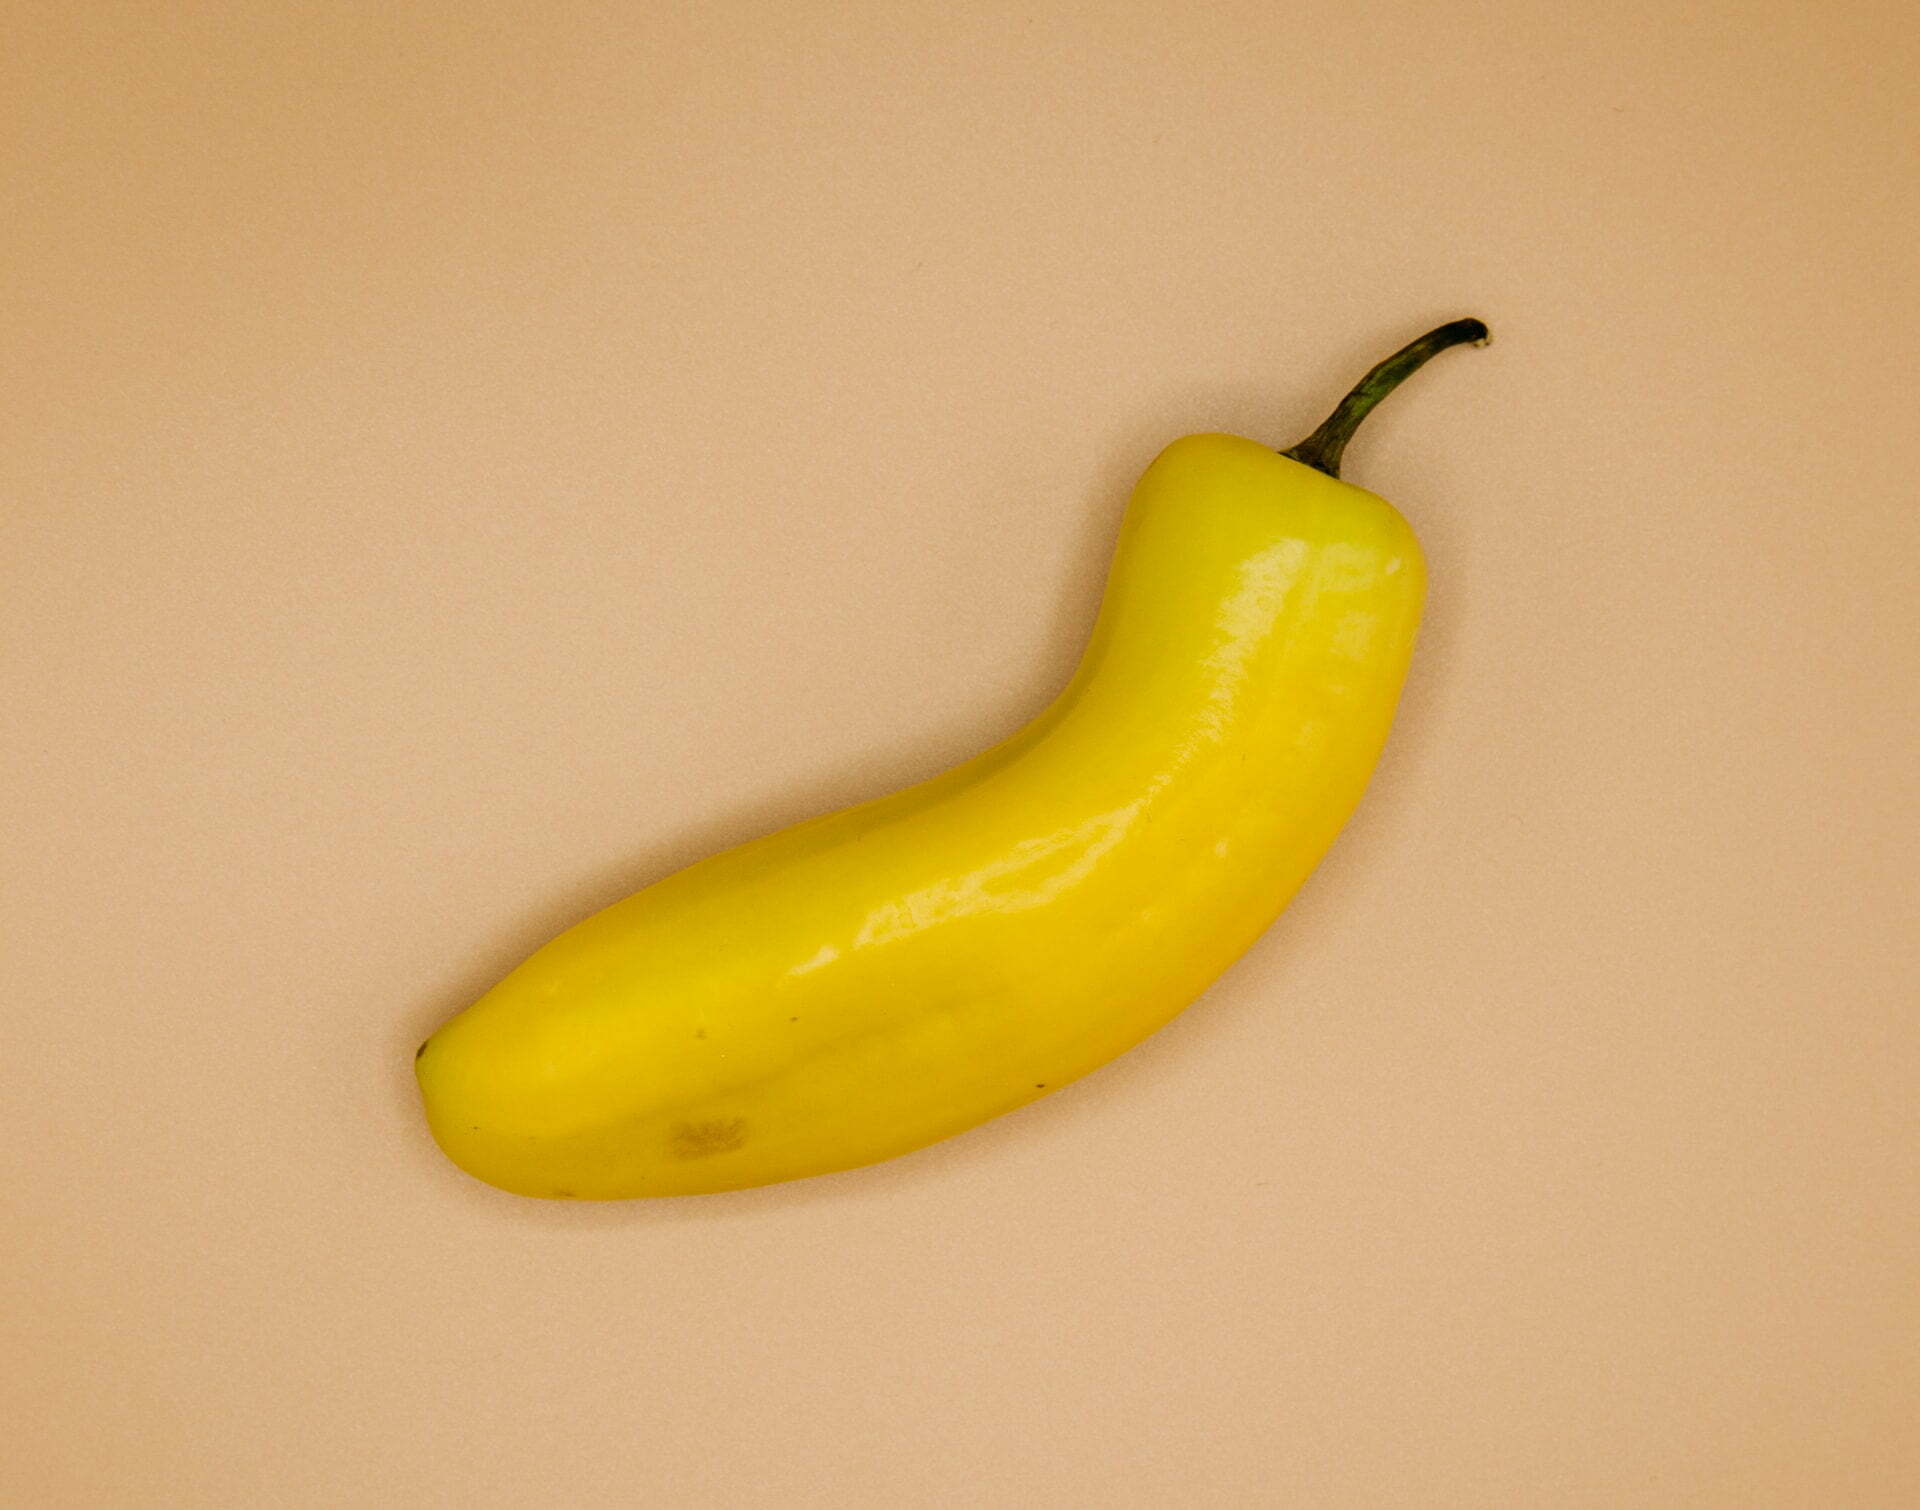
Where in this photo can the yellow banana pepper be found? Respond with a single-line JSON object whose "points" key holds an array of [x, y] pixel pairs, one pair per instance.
{"points": [[869, 981]]}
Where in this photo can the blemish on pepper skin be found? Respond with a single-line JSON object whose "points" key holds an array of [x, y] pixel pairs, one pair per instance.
{"points": [[1042, 1085], [565, 1195], [699, 1032], [702, 1140]]}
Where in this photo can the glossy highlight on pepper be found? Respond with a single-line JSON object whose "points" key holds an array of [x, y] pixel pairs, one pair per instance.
{"points": [[870, 981]]}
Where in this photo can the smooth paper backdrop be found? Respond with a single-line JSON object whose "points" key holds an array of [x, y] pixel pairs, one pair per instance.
{"points": [[462, 461]]}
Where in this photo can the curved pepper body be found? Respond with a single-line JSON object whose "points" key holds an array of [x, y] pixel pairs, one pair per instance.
{"points": [[873, 980]]}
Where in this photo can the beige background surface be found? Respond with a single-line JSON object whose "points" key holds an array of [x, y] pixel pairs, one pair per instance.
{"points": [[463, 461]]}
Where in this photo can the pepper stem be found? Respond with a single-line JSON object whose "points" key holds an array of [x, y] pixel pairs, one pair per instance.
{"points": [[1321, 450]]}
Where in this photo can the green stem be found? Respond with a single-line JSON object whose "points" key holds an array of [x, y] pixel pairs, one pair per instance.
{"points": [[1322, 449]]}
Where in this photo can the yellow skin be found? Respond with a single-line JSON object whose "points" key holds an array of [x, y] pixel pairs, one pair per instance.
{"points": [[870, 981]]}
